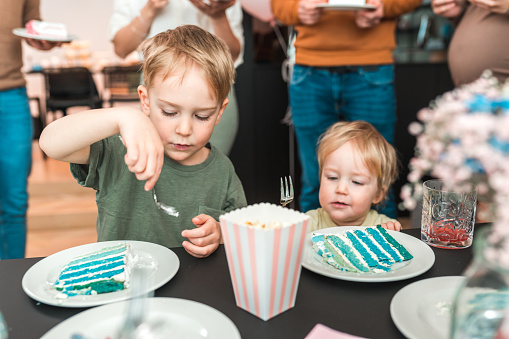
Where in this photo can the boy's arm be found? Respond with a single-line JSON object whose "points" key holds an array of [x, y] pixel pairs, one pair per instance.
{"points": [[69, 139]]}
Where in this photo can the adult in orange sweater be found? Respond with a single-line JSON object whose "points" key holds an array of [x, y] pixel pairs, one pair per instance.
{"points": [[344, 70]]}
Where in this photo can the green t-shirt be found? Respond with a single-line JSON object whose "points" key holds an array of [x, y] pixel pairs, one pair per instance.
{"points": [[127, 212]]}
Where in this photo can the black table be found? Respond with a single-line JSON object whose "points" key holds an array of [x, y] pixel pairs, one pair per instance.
{"points": [[353, 307]]}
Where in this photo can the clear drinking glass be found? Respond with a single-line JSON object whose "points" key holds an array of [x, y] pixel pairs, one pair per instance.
{"points": [[3, 328], [448, 216], [480, 307]]}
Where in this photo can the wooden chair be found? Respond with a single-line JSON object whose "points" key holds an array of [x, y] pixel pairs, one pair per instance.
{"points": [[121, 83]]}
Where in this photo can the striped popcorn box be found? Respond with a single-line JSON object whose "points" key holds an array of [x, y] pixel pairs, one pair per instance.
{"points": [[264, 245]]}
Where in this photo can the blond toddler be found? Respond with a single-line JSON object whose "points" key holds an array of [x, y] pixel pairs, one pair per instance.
{"points": [[356, 167]]}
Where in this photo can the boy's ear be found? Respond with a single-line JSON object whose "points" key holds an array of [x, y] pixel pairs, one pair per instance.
{"points": [[145, 104], [221, 110], [379, 196]]}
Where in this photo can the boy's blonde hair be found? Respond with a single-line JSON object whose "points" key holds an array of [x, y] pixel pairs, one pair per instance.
{"points": [[187, 46], [377, 154]]}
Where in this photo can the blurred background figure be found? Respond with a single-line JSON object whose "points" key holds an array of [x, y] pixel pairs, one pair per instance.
{"points": [[344, 70], [481, 38], [15, 126]]}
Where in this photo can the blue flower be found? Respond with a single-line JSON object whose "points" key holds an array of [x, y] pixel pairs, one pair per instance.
{"points": [[479, 103], [499, 145], [502, 104], [475, 165]]}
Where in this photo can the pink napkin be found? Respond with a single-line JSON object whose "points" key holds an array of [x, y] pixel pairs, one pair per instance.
{"points": [[323, 332]]}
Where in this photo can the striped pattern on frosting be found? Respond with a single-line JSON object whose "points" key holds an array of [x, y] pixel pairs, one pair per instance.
{"points": [[103, 271], [371, 249]]}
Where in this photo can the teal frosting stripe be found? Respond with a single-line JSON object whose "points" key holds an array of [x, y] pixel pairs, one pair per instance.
{"points": [[366, 255], [400, 248], [98, 255], [339, 259], [382, 257], [380, 239], [93, 268], [363, 252], [76, 283], [338, 243]]}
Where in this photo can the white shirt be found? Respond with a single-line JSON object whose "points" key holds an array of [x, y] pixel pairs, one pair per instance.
{"points": [[176, 13]]}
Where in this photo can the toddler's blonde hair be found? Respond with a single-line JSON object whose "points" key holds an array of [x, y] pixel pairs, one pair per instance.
{"points": [[184, 47], [377, 154]]}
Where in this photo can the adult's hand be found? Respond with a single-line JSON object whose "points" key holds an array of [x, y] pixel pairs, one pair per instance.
{"points": [[213, 9], [448, 8], [308, 13], [153, 7], [495, 6], [43, 45], [370, 18]]}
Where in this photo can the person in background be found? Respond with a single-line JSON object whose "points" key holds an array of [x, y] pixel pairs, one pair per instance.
{"points": [[343, 71], [15, 126], [357, 166], [135, 20], [480, 40], [188, 73]]}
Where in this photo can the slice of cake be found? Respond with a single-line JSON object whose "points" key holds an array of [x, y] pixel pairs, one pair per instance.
{"points": [[103, 271], [46, 29], [371, 249]]}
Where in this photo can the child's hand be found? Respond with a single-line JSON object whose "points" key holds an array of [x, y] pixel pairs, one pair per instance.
{"points": [[393, 226], [204, 239], [145, 151]]}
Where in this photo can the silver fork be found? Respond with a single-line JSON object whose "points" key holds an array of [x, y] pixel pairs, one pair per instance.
{"points": [[167, 209], [286, 191]]}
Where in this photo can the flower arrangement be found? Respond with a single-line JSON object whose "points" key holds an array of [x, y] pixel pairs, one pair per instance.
{"points": [[463, 138]]}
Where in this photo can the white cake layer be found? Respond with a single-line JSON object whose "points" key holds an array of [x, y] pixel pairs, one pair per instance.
{"points": [[49, 29], [347, 2]]}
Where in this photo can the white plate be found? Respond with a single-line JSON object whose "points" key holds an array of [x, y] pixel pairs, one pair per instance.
{"points": [[421, 310], [423, 259], [347, 7], [159, 262], [188, 319], [22, 32]]}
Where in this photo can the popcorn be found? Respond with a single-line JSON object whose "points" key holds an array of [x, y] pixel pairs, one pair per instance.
{"points": [[263, 225]]}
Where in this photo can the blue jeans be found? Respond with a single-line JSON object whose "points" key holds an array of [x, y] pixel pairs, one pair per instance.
{"points": [[15, 164], [320, 98]]}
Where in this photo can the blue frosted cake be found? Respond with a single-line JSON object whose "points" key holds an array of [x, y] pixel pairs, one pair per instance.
{"points": [[103, 271], [370, 249]]}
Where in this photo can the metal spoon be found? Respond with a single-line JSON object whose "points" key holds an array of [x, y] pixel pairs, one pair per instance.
{"points": [[166, 209]]}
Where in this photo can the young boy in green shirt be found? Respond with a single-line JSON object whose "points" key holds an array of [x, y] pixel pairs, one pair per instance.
{"points": [[125, 154]]}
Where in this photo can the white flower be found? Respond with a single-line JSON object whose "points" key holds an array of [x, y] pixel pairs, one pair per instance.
{"points": [[415, 128], [463, 137]]}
